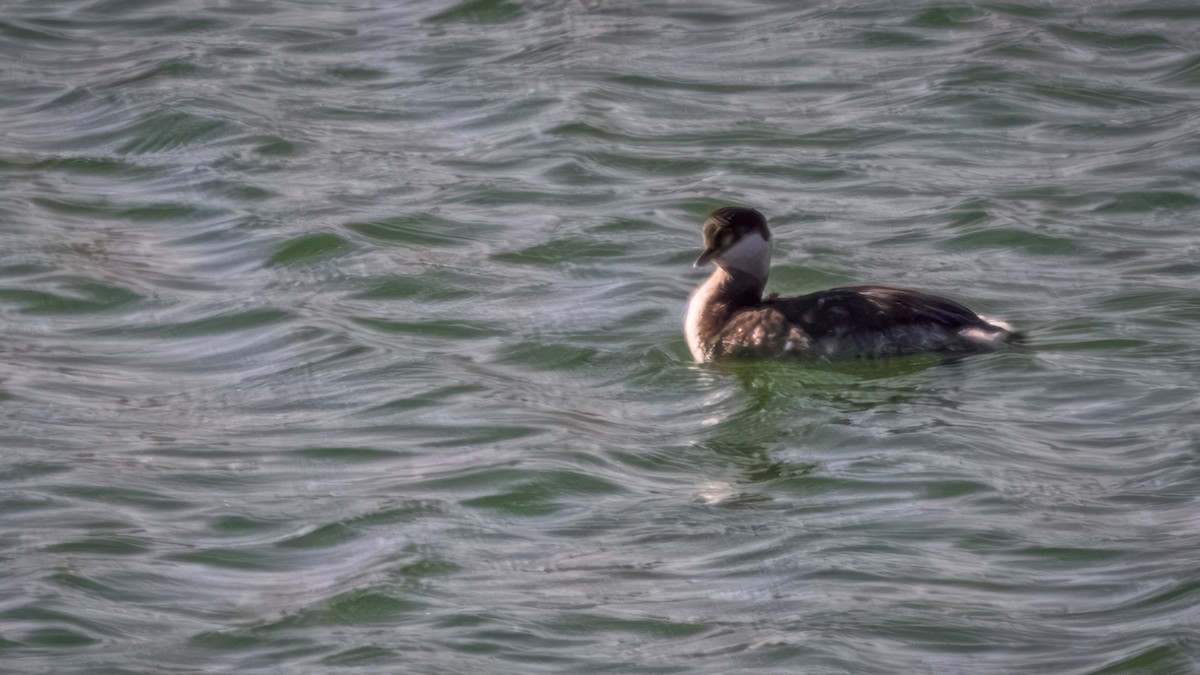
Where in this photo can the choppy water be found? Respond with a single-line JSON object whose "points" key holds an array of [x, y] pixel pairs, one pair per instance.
{"points": [[345, 336]]}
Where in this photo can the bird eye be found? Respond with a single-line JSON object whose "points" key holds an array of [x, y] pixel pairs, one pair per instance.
{"points": [[725, 239]]}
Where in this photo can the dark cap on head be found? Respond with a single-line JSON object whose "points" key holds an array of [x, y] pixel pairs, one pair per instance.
{"points": [[728, 224]]}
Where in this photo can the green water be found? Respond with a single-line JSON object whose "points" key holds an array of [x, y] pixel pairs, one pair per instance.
{"points": [[346, 337]]}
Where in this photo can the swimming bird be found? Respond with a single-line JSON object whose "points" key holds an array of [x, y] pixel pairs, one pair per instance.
{"points": [[728, 317]]}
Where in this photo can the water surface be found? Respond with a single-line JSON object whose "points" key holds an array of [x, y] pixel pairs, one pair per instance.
{"points": [[345, 337]]}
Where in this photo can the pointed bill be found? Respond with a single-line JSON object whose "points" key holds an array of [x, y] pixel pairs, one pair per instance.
{"points": [[705, 258]]}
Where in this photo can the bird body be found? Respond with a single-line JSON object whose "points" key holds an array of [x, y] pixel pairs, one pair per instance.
{"points": [[728, 317]]}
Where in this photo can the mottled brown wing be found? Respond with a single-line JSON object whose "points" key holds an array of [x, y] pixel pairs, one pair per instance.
{"points": [[760, 333], [871, 309]]}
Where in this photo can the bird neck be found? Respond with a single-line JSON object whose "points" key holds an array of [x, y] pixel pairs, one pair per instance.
{"points": [[711, 305], [735, 288]]}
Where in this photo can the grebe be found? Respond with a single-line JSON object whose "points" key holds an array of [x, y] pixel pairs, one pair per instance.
{"points": [[728, 317]]}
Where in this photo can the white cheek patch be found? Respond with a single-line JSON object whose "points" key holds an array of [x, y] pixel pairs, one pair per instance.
{"points": [[751, 254]]}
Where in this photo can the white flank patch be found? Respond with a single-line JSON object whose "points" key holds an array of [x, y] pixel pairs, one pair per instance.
{"points": [[1003, 325], [998, 331], [980, 335]]}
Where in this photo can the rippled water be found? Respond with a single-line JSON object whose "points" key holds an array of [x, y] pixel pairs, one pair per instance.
{"points": [[345, 336]]}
